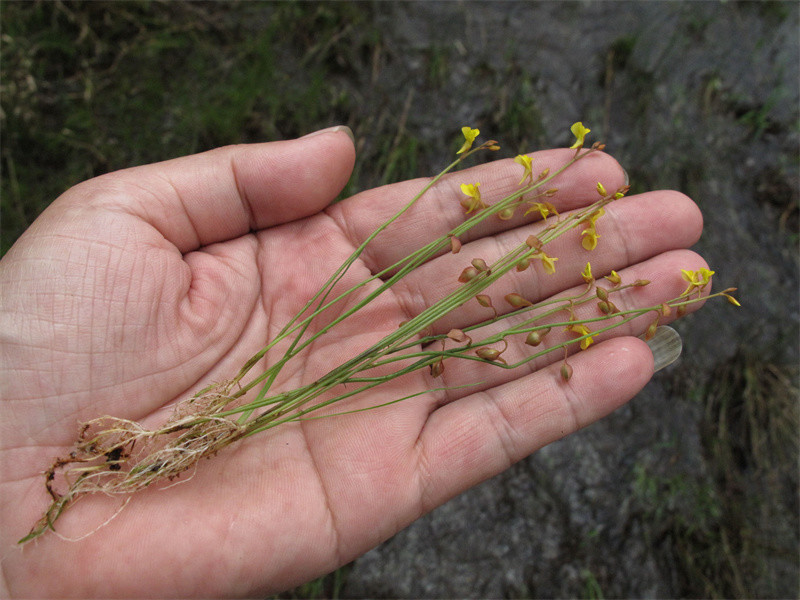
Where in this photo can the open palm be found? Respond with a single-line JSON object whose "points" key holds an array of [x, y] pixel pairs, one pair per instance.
{"points": [[137, 288]]}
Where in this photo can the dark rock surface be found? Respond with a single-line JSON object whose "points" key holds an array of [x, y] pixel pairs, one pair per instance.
{"points": [[701, 97]]}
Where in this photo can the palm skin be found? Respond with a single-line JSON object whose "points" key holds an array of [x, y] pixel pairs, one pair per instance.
{"points": [[135, 289]]}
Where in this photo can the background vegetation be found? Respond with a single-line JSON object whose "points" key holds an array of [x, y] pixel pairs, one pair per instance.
{"points": [[89, 87]]}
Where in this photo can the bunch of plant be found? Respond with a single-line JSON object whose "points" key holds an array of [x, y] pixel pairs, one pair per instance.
{"points": [[119, 456]]}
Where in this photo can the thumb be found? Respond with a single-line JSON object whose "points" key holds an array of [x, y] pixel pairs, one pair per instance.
{"points": [[226, 192]]}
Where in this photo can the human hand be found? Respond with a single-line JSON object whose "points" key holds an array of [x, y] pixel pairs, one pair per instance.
{"points": [[137, 288]]}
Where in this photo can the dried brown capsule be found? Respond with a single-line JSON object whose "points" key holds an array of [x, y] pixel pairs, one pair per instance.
{"points": [[468, 274], [517, 301], [566, 371], [536, 337], [437, 368], [458, 336], [480, 264], [651, 330], [488, 353], [533, 242], [484, 300]]}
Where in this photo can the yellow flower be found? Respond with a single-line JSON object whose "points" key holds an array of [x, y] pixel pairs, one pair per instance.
{"points": [[595, 215], [587, 273], [614, 278], [582, 330], [579, 131], [549, 262], [526, 162], [697, 279], [601, 190], [473, 200], [543, 208], [469, 137], [590, 241]]}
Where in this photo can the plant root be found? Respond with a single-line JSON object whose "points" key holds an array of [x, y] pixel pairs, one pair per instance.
{"points": [[118, 456]]}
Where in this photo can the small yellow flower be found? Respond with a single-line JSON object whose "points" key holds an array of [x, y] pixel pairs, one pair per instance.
{"points": [[549, 262], [697, 279], [601, 190], [595, 216], [543, 208], [589, 242], [469, 137], [614, 278], [587, 273], [473, 197], [581, 330], [579, 131], [526, 162]]}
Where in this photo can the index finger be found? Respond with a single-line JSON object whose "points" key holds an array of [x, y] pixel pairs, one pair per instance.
{"points": [[440, 210]]}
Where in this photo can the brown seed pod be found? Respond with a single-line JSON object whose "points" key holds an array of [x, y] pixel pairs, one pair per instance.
{"points": [[437, 368], [480, 264], [484, 300], [651, 330], [468, 274], [488, 353], [534, 338], [533, 242], [458, 336], [517, 301], [566, 371]]}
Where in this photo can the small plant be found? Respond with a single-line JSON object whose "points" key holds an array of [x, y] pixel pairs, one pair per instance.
{"points": [[118, 456]]}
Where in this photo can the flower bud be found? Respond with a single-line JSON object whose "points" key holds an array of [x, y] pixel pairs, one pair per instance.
{"points": [[641, 282], [601, 293], [550, 192], [665, 310], [544, 173], [731, 299], [455, 244], [468, 274], [523, 264], [604, 307]]}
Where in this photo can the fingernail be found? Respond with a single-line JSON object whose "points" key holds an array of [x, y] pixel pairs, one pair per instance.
{"points": [[627, 178], [335, 129], [666, 346]]}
